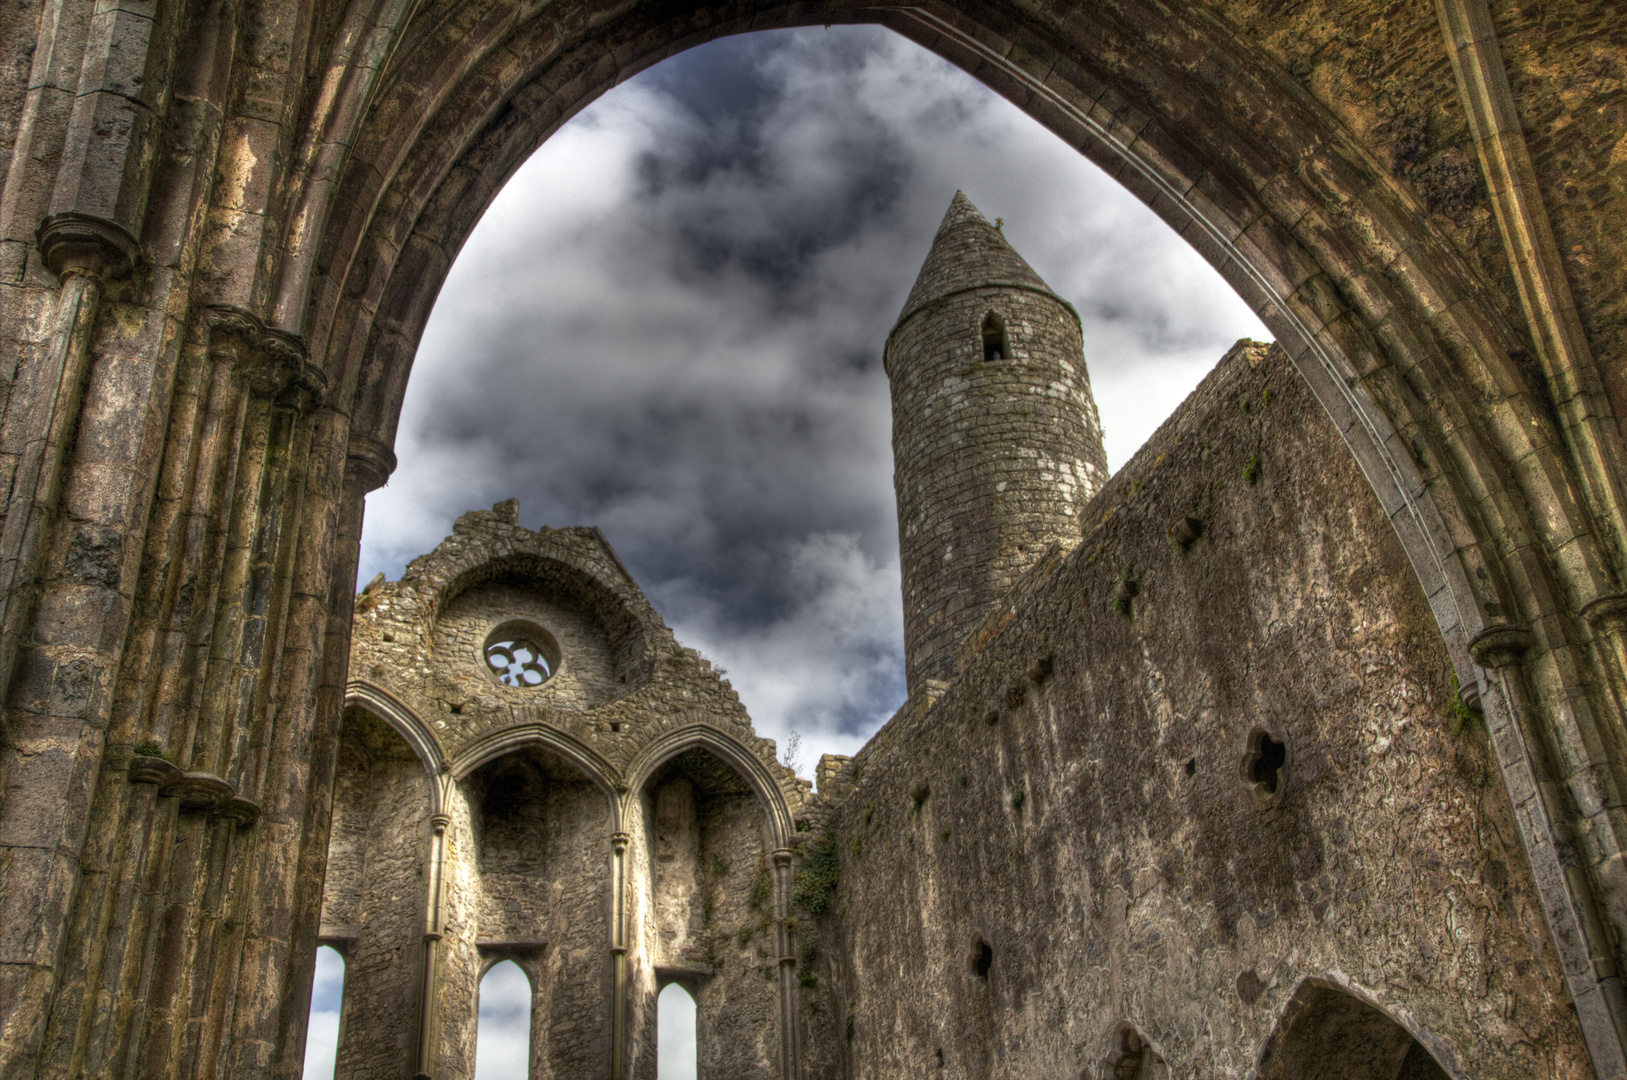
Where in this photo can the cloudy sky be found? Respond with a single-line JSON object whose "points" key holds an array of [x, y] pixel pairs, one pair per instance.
{"points": [[670, 322], [669, 325]]}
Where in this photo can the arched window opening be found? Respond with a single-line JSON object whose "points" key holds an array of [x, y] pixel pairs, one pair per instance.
{"points": [[322, 1029], [996, 345], [1329, 1032], [503, 1031], [675, 1034]]}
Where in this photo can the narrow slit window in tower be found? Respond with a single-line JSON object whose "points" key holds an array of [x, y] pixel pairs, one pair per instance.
{"points": [[322, 1029], [503, 1030], [996, 346]]}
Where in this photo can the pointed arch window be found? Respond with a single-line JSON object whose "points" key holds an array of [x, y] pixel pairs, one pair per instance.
{"points": [[675, 1034], [323, 1028], [503, 1031], [996, 343]]}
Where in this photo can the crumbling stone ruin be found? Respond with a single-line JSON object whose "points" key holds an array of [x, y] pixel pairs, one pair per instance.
{"points": [[1184, 783], [1295, 750], [532, 769]]}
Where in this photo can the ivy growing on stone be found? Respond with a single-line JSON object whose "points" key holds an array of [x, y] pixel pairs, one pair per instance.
{"points": [[816, 880]]}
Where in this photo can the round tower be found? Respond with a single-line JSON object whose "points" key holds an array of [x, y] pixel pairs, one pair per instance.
{"points": [[996, 441]]}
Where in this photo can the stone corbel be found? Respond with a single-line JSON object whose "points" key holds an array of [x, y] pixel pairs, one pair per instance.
{"points": [[274, 361], [368, 463], [72, 244], [196, 790], [1607, 614], [297, 383], [1498, 647]]}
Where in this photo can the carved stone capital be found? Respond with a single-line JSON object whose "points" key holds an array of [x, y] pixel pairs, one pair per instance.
{"points": [[783, 856], [74, 243], [233, 335], [196, 790], [282, 374], [368, 463], [228, 319], [439, 822], [1607, 614], [307, 391], [619, 841], [1500, 646]]}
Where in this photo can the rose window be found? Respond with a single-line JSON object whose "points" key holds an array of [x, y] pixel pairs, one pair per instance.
{"points": [[521, 656]]}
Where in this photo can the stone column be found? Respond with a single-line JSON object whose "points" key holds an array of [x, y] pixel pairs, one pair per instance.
{"points": [[428, 1036], [618, 953], [1545, 814], [790, 1041], [368, 463], [56, 742]]}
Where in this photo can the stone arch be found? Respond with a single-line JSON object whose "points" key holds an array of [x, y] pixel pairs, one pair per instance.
{"points": [[531, 819], [385, 830], [406, 723], [1375, 346], [490, 747], [1402, 342], [1132, 1056], [1331, 1030], [708, 855], [578, 581], [663, 749]]}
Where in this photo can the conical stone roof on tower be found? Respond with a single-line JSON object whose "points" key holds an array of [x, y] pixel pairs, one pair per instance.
{"points": [[968, 252], [997, 444]]}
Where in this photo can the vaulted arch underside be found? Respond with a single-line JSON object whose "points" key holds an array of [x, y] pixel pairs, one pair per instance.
{"points": [[193, 442], [1507, 510]]}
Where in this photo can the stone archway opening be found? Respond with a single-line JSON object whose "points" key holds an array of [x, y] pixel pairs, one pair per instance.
{"points": [[294, 254], [708, 916], [373, 898], [327, 1015], [503, 1030], [1327, 1033], [675, 1036]]}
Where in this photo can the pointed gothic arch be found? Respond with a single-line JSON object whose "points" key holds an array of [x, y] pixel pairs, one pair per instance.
{"points": [[1385, 322], [409, 725], [333, 203], [659, 751], [1332, 1030], [497, 744]]}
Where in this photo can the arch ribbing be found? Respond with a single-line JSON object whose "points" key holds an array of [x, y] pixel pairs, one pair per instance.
{"points": [[733, 754], [506, 741], [406, 723]]}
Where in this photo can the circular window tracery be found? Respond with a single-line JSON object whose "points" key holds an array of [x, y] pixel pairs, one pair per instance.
{"points": [[521, 655]]}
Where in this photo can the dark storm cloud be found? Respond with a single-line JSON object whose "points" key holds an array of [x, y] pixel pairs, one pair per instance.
{"points": [[670, 325]]}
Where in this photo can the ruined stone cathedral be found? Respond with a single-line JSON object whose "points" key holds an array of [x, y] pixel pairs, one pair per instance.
{"points": [[1295, 750], [1167, 794]]}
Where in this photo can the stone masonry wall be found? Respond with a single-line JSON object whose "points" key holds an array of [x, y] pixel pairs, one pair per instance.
{"points": [[587, 673], [529, 824], [708, 916], [1081, 800], [373, 908]]}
